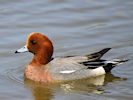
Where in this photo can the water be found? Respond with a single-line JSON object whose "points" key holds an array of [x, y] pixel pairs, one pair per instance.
{"points": [[76, 27]]}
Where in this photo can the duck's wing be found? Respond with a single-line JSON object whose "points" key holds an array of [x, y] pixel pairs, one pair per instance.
{"points": [[68, 69], [72, 64]]}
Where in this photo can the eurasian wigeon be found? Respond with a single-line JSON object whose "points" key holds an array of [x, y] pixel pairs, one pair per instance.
{"points": [[44, 68]]}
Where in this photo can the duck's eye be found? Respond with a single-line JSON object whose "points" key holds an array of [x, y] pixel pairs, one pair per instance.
{"points": [[33, 42]]}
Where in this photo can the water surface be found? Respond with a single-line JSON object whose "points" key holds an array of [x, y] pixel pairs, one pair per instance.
{"points": [[76, 27]]}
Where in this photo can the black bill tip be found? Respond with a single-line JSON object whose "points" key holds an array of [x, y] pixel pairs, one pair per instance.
{"points": [[16, 52]]}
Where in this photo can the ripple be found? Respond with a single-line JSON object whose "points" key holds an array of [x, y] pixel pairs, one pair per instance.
{"points": [[16, 74]]}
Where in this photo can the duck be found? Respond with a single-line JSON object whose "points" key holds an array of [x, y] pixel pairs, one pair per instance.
{"points": [[44, 68]]}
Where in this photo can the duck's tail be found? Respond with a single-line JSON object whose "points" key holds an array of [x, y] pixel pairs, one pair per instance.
{"points": [[112, 63]]}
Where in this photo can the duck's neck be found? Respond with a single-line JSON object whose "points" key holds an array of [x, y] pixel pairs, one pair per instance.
{"points": [[43, 57]]}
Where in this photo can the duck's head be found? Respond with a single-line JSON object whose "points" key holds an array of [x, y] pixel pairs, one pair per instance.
{"points": [[40, 45]]}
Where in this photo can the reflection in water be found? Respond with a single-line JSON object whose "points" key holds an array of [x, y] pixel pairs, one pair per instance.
{"points": [[40, 91], [96, 85]]}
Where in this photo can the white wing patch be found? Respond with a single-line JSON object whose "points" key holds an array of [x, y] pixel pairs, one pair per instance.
{"points": [[67, 71]]}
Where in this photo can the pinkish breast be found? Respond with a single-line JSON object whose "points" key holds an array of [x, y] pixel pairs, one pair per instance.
{"points": [[38, 74]]}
